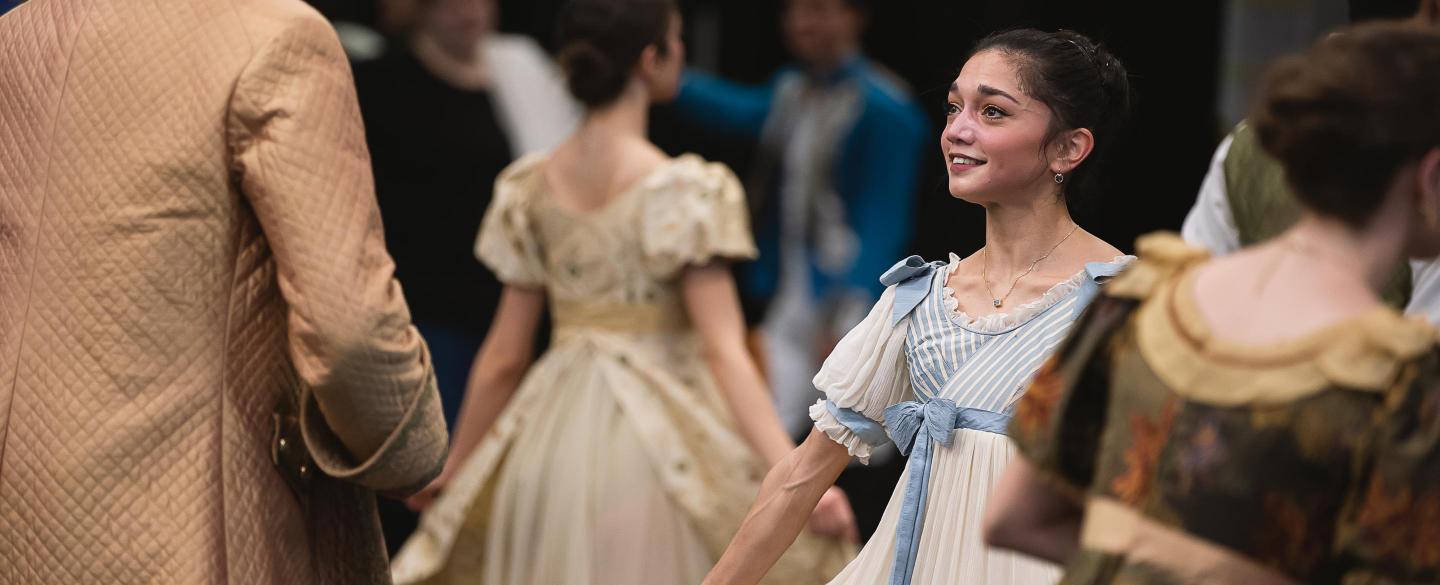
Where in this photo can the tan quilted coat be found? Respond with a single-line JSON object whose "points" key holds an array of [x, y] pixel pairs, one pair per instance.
{"points": [[189, 243]]}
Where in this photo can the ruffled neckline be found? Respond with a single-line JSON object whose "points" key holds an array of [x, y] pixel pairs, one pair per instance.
{"points": [[1002, 322], [1364, 352]]}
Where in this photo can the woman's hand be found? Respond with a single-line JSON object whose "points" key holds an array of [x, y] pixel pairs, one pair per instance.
{"points": [[419, 501], [834, 518]]}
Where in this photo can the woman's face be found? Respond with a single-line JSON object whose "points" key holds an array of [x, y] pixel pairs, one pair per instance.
{"points": [[459, 25], [663, 79], [993, 142]]}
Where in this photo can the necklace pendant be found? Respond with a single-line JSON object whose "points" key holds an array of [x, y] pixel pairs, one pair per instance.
{"points": [[997, 303]]}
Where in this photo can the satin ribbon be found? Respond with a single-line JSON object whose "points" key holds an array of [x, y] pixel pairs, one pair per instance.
{"points": [[911, 279], [915, 427]]}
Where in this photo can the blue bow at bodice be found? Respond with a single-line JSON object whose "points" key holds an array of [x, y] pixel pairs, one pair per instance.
{"points": [[911, 278]]}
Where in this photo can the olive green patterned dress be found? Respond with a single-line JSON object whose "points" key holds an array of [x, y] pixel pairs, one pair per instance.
{"points": [[1197, 460]]}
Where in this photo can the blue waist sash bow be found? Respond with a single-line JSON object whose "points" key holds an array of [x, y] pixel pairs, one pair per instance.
{"points": [[915, 427]]}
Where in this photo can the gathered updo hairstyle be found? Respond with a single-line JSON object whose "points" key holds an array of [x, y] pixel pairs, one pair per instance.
{"points": [[1082, 83], [1346, 115], [600, 41]]}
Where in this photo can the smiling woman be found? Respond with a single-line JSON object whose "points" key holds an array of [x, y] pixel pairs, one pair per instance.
{"points": [[1062, 91], [941, 360]]}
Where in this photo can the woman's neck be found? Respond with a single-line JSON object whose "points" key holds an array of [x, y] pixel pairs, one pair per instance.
{"points": [[1018, 235], [628, 117], [1369, 254]]}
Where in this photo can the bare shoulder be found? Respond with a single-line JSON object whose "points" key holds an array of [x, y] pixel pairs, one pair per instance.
{"points": [[1094, 249]]}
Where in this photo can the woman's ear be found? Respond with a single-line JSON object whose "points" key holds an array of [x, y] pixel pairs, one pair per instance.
{"points": [[649, 64], [1069, 149]]}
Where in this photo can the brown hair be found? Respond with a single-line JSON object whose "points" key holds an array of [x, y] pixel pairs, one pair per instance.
{"points": [[601, 40], [1346, 115]]}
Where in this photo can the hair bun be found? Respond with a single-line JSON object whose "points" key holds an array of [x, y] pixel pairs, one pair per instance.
{"points": [[600, 42], [1284, 117], [590, 74], [1114, 79], [1345, 115]]}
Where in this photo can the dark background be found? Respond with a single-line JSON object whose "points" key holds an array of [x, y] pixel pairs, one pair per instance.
{"points": [[1170, 49]]}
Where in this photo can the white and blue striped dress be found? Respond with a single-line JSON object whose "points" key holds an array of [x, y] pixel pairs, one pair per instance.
{"points": [[941, 386]]}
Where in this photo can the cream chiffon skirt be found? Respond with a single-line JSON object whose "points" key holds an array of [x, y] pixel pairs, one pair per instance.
{"points": [[615, 463], [952, 546]]}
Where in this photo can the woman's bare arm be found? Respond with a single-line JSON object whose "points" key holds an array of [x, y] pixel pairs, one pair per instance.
{"points": [[500, 364], [790, 491]]}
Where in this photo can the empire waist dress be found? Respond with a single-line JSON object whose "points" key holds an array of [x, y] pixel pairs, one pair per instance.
{"points": [[941, 386]]}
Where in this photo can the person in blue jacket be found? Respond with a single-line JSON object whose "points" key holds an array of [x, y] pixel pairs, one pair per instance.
{"points": [[832, 188]]}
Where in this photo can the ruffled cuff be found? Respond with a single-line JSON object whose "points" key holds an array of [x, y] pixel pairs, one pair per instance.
{"points": [[857, 433]]}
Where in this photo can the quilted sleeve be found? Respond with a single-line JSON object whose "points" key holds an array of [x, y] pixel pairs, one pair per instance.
{"points": [[695, 215], [370, 411]]}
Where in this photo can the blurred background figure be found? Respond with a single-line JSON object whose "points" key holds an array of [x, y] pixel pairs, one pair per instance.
{"points": [[832, 187], [1244, 199], [446, 107], [445, 111], [629, 450]]}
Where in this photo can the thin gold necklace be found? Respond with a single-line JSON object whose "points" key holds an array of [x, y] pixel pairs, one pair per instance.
{"points": [[985, 269]]}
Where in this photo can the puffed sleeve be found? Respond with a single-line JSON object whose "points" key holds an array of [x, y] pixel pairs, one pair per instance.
{"points": [[507, 243], [865, 374], [693, 212]]}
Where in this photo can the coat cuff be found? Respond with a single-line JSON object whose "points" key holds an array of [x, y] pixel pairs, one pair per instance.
{"points": [[412, 454]]}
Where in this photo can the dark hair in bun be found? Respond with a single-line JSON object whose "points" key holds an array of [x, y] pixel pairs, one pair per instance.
{"points": [[1346, 115], [1080, 81], [601, 40]]}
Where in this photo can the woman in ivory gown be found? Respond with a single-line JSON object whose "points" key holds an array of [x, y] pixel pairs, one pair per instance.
{"points": [[946, 353], [629, 451]]}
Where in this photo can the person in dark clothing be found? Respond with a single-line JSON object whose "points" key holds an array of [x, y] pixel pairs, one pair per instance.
{"points": [[445, 110]]}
